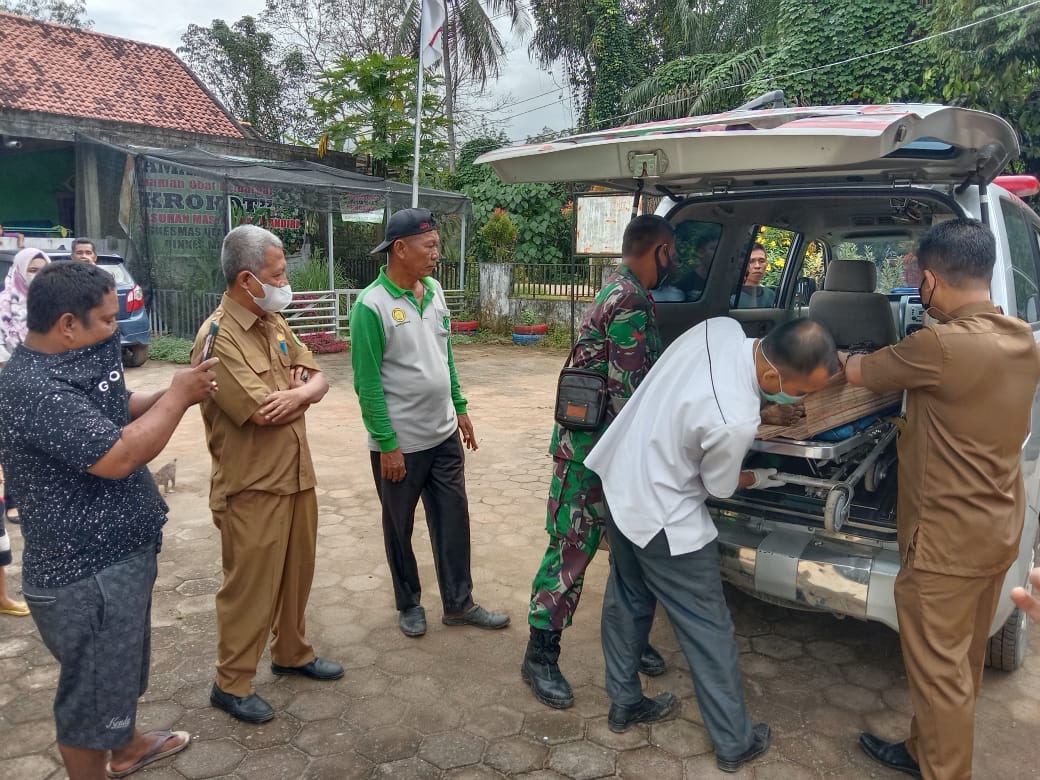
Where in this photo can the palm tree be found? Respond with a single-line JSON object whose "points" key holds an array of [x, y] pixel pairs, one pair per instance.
{"points": [[693, 85], [472, 46], [716, 26], [712, 46]]}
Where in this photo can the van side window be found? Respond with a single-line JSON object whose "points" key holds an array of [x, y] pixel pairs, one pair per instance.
{"points": [[1022, 244], [759, 286], [696, 243]]}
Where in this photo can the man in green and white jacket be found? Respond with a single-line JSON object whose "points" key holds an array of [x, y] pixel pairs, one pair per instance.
{"points": [[413, 408]]}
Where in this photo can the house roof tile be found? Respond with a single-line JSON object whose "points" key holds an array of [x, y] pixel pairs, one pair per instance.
{"points": [[54, 69]]}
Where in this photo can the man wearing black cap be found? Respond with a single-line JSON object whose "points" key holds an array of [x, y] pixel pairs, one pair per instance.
{"points": [[413, 408]]}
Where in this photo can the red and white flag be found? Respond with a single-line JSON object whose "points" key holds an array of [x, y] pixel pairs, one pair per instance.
{"points": [[431, 32]]}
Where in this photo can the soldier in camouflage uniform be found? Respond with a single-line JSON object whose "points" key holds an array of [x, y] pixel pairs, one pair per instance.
{"points": [[619, 338]]}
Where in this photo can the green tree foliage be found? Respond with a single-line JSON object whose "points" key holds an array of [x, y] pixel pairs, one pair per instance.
{"points": [[367, 106], [543, 231], [70, 12], [693, 85], [615, 68], [604, 46], [499, 233], [994, 66], [742, 49], [710, 47], [563, 34], [819, 32], [472, 46], [683, 28], [239, 64]]}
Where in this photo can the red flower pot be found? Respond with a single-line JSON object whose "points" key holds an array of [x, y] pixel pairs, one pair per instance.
{"points": [[531, 330], [465, 327]]}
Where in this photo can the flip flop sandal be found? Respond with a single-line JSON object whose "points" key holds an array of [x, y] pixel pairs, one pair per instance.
{"points": [[17, 609], [156, 753]]}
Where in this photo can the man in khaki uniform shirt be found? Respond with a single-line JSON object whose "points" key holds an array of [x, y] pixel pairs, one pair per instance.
{"points": [[971, 378], [262, 487]]}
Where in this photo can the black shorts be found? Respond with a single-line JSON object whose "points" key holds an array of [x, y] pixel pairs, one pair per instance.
{"points": [[99, 630]]}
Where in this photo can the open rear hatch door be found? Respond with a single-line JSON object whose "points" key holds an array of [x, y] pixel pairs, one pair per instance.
{"points": [[919, 143]]}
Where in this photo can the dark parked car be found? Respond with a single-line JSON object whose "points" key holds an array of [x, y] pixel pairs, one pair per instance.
{"points": [[134, 328]]}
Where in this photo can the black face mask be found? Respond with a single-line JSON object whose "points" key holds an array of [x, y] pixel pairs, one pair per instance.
{"points": [[669, 271], [920, 291]]}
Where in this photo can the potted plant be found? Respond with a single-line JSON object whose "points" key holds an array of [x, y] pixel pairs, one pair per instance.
{"points": [[466, 324], [499, 234], [529, 331]]}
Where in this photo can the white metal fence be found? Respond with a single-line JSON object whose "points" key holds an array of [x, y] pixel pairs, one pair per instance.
{"points": [[321, 311], [180, 312]]}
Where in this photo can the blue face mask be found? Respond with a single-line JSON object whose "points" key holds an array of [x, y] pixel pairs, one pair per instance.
{"points": [[780, 397]]}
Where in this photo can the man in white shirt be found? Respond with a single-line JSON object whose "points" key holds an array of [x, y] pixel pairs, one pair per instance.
{"points": [[681, 438]]}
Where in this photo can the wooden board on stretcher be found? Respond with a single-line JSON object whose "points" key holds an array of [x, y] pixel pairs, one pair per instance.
{"points": [[836, 403]]}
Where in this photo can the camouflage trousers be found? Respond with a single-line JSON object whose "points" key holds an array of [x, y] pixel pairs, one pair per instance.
{"points": [[575, 521]]}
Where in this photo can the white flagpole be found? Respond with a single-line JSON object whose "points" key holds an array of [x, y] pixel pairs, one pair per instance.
{"points": [[418, 114]]}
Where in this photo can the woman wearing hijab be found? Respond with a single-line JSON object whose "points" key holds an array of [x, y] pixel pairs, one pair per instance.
{"points": [[13, 329], [13, 296]]}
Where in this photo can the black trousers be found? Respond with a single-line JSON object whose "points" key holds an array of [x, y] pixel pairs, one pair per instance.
{"points": [[436, 475]]}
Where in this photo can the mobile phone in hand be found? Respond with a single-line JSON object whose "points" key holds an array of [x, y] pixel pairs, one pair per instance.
{"points": [[211, 339]]}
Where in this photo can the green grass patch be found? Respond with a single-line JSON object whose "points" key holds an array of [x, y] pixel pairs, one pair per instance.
{"points": [[171, 349], [557, 337], [482, 336]]}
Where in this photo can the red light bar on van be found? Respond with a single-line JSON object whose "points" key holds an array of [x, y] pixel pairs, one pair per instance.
{"points": [[1023, 186]]}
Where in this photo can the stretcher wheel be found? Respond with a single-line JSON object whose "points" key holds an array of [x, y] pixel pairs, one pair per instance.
{"points": [[839, 502], [875, 474]]}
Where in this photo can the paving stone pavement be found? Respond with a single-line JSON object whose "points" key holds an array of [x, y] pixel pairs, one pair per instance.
{"points": [[451, 704]]}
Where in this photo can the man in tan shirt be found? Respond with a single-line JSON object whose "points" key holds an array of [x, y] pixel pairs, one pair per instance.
{"points": [[970, 379], [262, 487]]}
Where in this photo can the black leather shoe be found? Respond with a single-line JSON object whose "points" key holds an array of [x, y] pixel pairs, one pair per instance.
{"points": [[479, 617], [318, 669], [761, 735], [251, 709], [647, 711], [413, 621], [651, 663], [894, 755]]}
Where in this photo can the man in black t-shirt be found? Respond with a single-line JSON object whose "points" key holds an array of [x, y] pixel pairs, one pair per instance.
{"points": [[74, 444]]}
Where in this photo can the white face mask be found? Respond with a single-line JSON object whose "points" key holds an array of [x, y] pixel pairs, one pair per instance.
{"points": [[275, 298]]}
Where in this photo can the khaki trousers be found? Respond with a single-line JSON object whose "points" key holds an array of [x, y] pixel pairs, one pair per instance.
{"points": [[944, 629], [267, 544]]}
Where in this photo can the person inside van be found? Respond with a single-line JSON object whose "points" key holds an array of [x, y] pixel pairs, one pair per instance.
{"points": [[752, 294]]}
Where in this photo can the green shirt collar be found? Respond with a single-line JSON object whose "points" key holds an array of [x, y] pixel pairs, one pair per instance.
{"points": [[399, 292]]}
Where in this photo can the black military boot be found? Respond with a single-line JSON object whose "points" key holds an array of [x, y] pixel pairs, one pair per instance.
{"points": [[541, 671]]}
